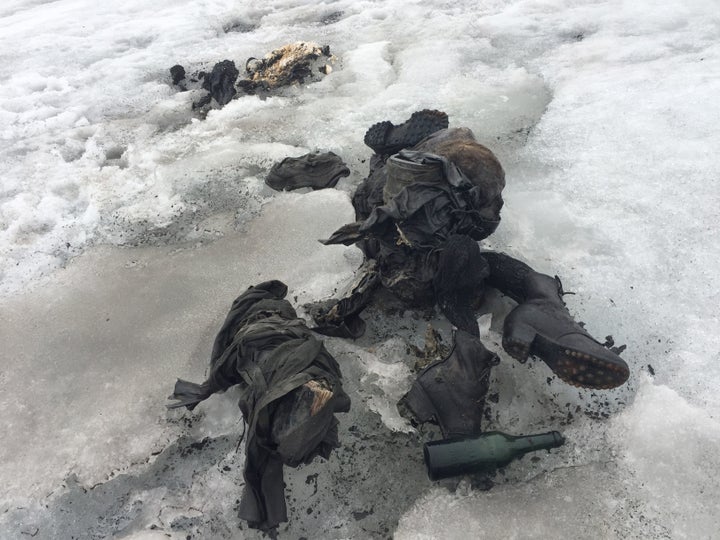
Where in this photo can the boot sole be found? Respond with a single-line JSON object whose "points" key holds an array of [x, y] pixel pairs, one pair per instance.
{"points": [[386, 138], [571, 365]]}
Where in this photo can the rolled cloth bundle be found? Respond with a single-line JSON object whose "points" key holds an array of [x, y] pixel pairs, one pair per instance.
{"points": [[290, 389]]}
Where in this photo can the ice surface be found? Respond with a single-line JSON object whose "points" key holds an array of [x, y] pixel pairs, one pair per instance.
{"points": [[128, 224], [128, 319]]}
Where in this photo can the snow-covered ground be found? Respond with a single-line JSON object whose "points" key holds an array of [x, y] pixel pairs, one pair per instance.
{"points": [[128, 225]]}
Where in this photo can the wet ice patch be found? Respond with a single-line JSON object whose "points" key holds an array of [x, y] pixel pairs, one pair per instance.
{"points": [[116, 343], [669, 445], [385, 380]]}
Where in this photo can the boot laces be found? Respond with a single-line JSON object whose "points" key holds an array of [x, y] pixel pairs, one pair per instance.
{"points": [[560, 290]]}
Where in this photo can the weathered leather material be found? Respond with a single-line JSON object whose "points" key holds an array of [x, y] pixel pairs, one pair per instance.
{"points": [[541, 325], [452, 391]]}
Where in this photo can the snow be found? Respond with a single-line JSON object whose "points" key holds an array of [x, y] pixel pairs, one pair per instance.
{"points": [[128, 225]]}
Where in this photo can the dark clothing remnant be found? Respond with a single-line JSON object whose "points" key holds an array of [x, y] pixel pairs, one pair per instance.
{"points": [[177, 72], [277, 362], [412, 203], [369, 194], [439, 203], [459, 282], [221, 82], [508, 275], [315, 170], [477, 163]]}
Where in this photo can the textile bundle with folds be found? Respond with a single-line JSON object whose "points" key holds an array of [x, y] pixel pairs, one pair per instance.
{"points": [[265, 349]]}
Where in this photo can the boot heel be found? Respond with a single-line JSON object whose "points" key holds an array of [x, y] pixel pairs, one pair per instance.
{"points": [[518, 340]]}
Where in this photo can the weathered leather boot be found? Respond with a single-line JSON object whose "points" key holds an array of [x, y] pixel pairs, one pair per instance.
{"points": [[542, 326], [451, 392]]}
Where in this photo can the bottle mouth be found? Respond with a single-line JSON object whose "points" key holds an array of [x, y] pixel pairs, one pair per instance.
{"points": [[428, 467], [558, 439]]}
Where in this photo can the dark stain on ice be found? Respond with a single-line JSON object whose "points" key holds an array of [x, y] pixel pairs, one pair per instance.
{"points": [[193, 487], [331, 18], [196, 446], [242, 27], [120, 506], [30, 531], [312, 479], [362, 514]]}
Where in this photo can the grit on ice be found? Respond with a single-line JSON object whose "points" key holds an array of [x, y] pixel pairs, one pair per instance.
{"points": [[128, 224]]}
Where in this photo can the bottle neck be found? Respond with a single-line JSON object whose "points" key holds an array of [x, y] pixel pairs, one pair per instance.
{"points": [[541, 441]]}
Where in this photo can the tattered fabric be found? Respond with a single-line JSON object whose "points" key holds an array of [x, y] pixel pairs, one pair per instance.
{"points": [[315, 170], [266, 350]]}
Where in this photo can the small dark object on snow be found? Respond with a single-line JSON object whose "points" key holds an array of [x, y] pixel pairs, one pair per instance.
{"points": [[290, 389], [177, 72], [221, 82], [317, 171]]}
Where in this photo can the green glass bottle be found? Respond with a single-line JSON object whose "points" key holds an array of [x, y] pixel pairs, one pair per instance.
{"points": [[483, 453]]}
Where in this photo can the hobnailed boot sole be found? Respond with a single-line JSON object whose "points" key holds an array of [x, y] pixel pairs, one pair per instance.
{"points": [[574, 366], [386, 138]]}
